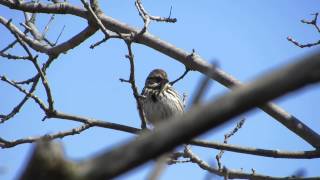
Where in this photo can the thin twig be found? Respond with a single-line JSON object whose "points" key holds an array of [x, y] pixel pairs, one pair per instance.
{"points": [[134, 87], [9, 46], [27, 81], [144, 14], [56, 42], [225, 141], [14, 57], [295, 42], [17, 108], [46, 28], [233, 174], [92, 46], [7, 144], [146, 17], [96, 18], [34, 97], [312, 22], [181, 77], [46, 87]]}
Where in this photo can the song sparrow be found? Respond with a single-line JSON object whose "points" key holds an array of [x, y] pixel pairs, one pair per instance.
{"points": [[160, 100]]}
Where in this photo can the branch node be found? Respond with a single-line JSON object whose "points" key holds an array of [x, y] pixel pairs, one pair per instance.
{"points": [[124, 80], [44, 118]]}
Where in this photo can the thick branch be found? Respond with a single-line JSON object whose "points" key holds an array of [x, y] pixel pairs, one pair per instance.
{"points": [[61, 48], [47, 162], [56, 8]]}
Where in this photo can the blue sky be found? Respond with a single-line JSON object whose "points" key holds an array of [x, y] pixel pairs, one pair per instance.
{"points": [[247, 38]]}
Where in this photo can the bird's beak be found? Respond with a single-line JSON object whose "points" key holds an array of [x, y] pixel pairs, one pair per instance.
{"points": [[164, 86]]}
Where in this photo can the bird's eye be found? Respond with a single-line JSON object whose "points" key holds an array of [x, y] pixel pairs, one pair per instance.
{"points": [[157, 79]]}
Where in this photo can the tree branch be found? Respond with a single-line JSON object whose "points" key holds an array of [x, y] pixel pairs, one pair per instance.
{"points": [[29, 94], [78, 130], [134, 88], [37, 7], [258, 151], [147, 17], [225, 141], [232, 174], [16, 109], [46, 86], [55, 51], [95, 122], [312, 22]]}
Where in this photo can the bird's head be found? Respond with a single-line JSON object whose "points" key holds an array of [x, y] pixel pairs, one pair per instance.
{"points": [[157, 79]]}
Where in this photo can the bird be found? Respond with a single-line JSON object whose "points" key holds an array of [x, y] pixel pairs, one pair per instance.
{"points": [[161, 102]]}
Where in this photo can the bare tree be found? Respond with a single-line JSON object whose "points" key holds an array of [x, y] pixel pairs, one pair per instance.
{"points": [[48, 160]]}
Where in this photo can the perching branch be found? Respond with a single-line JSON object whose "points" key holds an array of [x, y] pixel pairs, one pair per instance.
{"points": [[134, 88]]}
